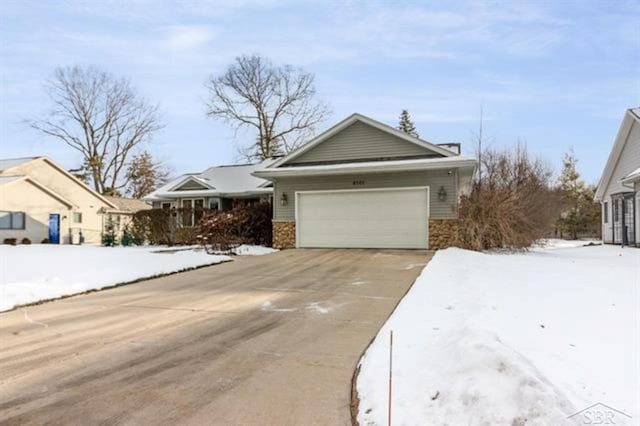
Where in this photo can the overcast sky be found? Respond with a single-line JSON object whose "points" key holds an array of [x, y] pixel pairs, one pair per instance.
{"points": [[551, 74]]}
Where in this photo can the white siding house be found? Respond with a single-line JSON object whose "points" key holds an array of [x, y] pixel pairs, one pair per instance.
{"points": [[619, 187]]}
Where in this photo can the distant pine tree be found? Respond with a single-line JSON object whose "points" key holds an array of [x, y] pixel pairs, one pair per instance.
{"points": [[145, 175], [406, 125], [580, 213]]}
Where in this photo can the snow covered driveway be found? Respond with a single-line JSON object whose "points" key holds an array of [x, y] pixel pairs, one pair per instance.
{"points": [[512, 339], [29, 273]]}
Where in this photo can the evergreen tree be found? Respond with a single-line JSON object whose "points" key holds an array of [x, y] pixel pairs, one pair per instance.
{"points": [[406, 125], [145, 175], [577, 215]]}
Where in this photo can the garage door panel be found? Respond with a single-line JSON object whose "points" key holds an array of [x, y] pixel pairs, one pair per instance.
{"points": [[357, 219]]}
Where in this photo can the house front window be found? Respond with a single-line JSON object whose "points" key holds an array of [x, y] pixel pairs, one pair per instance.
{"points": [[113, 223], [193, 211], [187, 214], [77, 217], [166, 206], [198, 210], [605, 214], [12, 220]]}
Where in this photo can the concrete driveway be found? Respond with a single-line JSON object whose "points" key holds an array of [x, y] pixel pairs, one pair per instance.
{"points": [[270, 340]]}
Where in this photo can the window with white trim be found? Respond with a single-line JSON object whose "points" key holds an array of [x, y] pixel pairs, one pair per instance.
{"points": [[193, 211], [77, 217]]}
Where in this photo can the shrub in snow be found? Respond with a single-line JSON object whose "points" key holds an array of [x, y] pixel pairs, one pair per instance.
{"points": [[25, 240], [244, 224], [11, 241], [511, 204], [166, 226], [109, 239]]}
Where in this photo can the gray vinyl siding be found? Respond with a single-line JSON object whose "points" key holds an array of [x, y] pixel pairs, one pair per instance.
{"points": [[190, 185], [361, 142], [434, 179]]}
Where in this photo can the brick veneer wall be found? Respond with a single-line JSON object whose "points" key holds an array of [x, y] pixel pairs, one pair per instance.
{"points": [[442, 233], [284, 234]]}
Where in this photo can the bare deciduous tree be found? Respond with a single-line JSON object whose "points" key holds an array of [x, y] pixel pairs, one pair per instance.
{"points": [[102, 117], [276, 101], [512, 206]]}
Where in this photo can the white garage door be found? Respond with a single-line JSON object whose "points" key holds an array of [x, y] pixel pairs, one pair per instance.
{"points": [[389, 218]]}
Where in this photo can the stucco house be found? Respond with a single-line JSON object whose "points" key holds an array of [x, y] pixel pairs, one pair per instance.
{"points": [[619, 187], [216, 188], [363, 184], [41, 200]]}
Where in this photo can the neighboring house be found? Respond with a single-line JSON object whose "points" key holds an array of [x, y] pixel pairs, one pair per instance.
{"points": [[117, 219], [619, 187], [363, 184], [217, 188], [40, 200]]}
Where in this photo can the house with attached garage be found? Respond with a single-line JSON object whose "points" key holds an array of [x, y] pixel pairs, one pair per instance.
{"points": [[619, 187], [40, 200], [363, 184]]}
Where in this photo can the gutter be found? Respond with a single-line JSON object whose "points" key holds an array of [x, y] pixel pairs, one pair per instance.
{"points": [[183, 194], [386, 167]]}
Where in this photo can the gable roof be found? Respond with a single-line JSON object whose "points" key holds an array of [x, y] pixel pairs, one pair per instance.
{"points": [[631, 117], [353, 118], [220, 180], [127, 205], [371, 166], [8, 164], [184, 179], [8, 179], [5, 180]]}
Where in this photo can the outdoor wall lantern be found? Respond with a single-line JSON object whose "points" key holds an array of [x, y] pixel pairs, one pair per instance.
{"points": [[442, 194], [284, 200]]}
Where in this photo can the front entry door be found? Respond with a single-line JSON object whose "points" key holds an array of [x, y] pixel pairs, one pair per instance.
{"points": [[54, 228]]}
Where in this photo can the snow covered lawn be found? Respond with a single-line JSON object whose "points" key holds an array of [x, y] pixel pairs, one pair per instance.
{"points": [[29, 273], [511, 339]]}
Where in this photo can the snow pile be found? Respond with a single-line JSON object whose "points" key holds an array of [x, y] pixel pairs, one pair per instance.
{"points": [[510, 339], [556, 243], [248, 250], [29, 273]]}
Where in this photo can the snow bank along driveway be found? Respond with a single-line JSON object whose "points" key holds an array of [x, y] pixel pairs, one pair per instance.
{"points": [[29, 273], [511, 339]]}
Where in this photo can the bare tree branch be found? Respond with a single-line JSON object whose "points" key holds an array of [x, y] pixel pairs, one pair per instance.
{"points": [[277, 101], [100, 116]]}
